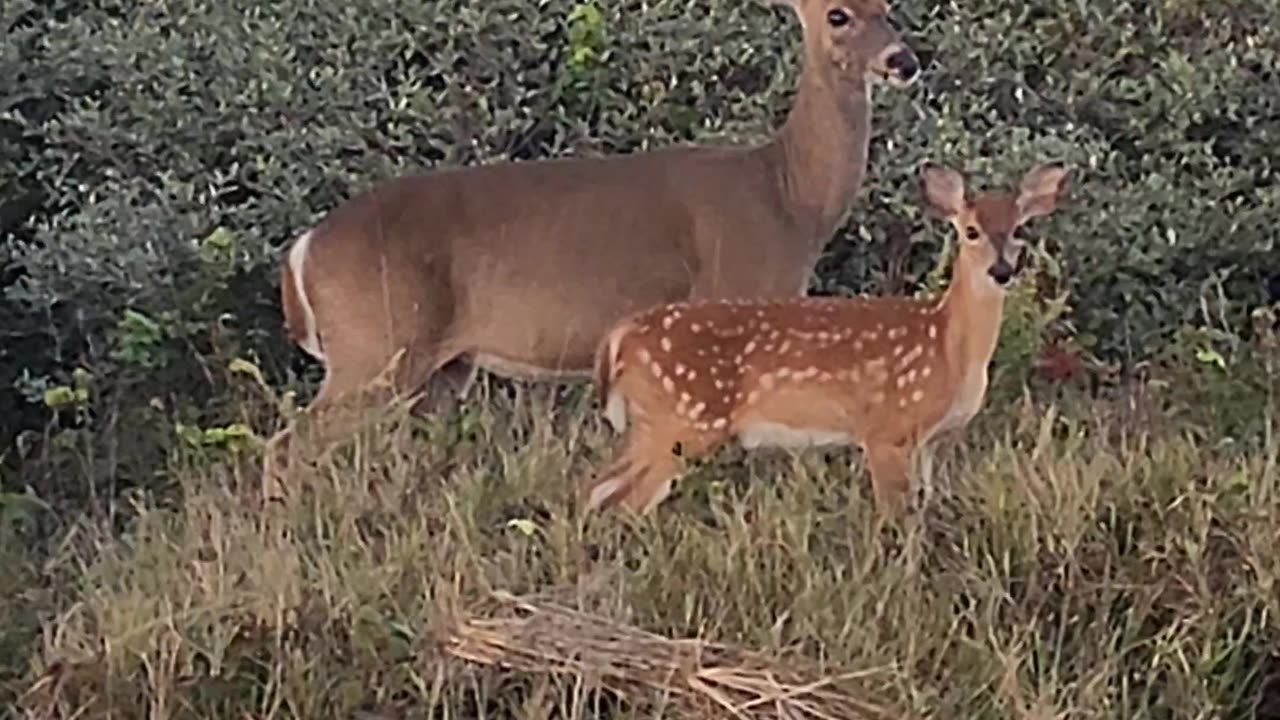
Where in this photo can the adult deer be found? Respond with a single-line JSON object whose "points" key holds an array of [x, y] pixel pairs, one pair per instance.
{"points": [[888, 374], [518, 268]]}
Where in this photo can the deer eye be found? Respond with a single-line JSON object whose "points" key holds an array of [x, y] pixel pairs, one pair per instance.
{"points": [[837, 18], [971, 233]]}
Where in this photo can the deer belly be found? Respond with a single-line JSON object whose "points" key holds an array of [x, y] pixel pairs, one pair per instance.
{"points": [[550, 370], [764, 433]]}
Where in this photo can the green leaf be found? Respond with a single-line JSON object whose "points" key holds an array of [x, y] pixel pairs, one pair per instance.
{"points": [[526, 527]]}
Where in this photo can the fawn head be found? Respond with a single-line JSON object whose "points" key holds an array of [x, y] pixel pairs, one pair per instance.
{"points": [[855, 39], [988, 224]]}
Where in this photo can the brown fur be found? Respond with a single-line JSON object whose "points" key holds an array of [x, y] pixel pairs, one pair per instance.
{"points": [[520, 268], [887, 374]]}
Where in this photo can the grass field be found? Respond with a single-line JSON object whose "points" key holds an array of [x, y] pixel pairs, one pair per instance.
{"points": [[1092, 559]]}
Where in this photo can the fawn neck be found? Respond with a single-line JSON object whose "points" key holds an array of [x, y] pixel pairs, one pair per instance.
{"points": [[973, 307], [820, 155]]}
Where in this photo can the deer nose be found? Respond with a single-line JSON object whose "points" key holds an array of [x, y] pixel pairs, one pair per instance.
{"points": [[1001, 272], [904, 64]]}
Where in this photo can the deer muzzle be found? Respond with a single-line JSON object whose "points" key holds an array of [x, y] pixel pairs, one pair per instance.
{"points": [[902, 64]]}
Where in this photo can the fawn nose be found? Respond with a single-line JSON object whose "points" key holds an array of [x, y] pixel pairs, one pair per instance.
{"points": [[1001, 272], [904, 65]]}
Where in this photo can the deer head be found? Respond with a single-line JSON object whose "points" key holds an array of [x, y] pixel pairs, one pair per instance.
{"points": [[854, 41], [988, 224]]}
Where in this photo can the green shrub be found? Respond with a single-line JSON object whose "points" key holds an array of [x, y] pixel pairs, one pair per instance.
{"points": [[159, 154]]}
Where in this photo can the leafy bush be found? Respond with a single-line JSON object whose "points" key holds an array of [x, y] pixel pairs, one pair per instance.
{"points": [[161, 153]]}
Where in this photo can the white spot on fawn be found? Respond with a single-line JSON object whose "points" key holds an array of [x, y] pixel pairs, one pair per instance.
{"points": [[911, 356]]}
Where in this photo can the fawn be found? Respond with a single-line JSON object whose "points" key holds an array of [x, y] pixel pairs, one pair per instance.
{"points": [[888, 374]]}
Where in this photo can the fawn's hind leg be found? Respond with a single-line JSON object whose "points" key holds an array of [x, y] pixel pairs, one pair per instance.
{"points": [[642, 475]]}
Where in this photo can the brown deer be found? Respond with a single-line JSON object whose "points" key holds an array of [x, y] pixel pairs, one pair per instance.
{"points": [[888, 374], [518, 268]]}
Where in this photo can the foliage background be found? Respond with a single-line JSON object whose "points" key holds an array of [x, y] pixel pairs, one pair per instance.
{"points": [[155, 157]]}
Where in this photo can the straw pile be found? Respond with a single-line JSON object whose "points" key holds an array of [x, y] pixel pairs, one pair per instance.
{"points": [[703, 679]]}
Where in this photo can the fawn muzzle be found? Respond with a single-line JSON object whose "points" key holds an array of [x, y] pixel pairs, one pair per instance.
{"points": [[1001, 271]]}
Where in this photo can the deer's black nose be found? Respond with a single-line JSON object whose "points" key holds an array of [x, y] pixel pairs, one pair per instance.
{"points": [[1001, 272], [904, 64]]}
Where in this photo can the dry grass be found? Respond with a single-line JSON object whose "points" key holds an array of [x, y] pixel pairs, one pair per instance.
{"points": [[703, 679], [1080, 568]]}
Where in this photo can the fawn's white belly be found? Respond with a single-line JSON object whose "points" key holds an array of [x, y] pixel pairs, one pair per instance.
{"points": [[771, 434]]}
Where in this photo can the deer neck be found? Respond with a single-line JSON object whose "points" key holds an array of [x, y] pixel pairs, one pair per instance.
{"points": [[973, 307], [821, 151]]}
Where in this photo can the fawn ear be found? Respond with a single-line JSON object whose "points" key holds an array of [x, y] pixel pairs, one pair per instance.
{"points": [[1039, 191], [943, 190]]}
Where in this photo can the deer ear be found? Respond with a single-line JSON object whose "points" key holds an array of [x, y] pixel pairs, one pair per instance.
{"points": [[943, 190], [1039, 191]]}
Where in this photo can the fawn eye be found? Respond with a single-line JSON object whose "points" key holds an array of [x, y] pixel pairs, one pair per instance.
{"points": [[837, 18], [971, 233]]}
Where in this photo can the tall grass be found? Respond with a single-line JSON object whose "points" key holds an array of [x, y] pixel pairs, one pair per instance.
{"points": [[1078, 567]]}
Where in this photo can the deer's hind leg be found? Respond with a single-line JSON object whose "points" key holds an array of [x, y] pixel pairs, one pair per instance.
{"points": [[374, 352]]}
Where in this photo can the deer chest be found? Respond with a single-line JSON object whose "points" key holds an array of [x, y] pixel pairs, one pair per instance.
{"points": [[966, 400]]}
